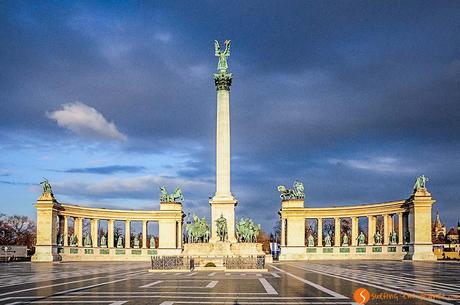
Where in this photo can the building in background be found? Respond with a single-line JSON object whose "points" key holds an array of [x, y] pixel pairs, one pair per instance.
{"points": [[439, 230]]}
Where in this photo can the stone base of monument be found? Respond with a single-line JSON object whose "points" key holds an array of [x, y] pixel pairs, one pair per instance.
{"points": [[212, 256], [222, 248]]}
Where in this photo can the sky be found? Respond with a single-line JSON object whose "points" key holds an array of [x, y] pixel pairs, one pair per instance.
{"points": [[110, 100]]}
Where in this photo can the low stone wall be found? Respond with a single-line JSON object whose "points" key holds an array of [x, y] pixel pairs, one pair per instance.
{"points": [[112, 254], [353, 252], [244, 249], [223, 249]]}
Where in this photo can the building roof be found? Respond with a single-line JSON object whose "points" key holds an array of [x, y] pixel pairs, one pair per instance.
{"points": [[452, 231]]}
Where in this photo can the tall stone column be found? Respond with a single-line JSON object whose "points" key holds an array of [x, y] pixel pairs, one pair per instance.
{"points": [[337, 232], [223, 203], [110, 233], [400, 229], [370, 229], [320, 232], [354, 231], [144, 234], [65, 233], [390, 224], [405, 227], [283, 232], [127, 234], [386, 230], [94, 232], [179, 234], [79, 231]]}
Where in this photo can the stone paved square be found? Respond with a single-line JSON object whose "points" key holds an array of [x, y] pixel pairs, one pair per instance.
{"points": [[295, 282]]}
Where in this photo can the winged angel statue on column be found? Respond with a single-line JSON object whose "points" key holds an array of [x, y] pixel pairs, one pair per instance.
{"points": [[222, 66]]}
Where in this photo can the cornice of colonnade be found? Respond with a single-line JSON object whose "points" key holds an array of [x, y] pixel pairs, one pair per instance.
{"points": [[134, 215], [359, 210]]}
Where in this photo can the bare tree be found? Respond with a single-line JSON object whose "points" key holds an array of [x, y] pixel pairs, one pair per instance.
{"points": [[264, 238], [17, 230]]}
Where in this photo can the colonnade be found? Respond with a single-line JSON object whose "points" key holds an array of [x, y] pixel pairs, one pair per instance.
{"points": [[413, 233], [53, 220]]}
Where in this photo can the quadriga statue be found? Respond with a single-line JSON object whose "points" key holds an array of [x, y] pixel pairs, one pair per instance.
{"points": [[176, 196], [297, 192]]}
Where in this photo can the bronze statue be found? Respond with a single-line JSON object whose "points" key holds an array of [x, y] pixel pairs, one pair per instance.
{"points": [[297, 192], [222, 66], [420, 182], [46, 187], [221, 224]]}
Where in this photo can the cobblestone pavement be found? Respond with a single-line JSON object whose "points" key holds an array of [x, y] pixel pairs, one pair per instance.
{"points": [[293, 282]]}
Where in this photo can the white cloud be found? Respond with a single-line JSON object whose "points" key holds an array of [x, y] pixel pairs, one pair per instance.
{"points": [[140, 187], [377, 164], [85, 121]]}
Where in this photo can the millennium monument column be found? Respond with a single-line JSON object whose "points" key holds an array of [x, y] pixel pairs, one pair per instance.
{"points": [[223, 203]]}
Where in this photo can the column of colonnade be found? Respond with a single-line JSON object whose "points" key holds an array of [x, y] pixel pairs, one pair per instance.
{"points": [[320, 232], [110, 233], [144, 234], [354, 230], [66, 231]]}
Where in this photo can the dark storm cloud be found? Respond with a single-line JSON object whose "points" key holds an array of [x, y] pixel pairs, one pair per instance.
{"points": [[354, 98], [106, 170]]}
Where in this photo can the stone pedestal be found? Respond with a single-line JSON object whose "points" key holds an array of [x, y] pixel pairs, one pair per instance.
{"points": [[221, 248], [47, 226], [420, 246], [170, 230], [294, 227], [207, 249], [211, 256], [225, 208]]}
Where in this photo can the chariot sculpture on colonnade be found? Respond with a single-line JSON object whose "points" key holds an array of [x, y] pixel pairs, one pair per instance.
{"points": [[297, 192], [176, 196]]}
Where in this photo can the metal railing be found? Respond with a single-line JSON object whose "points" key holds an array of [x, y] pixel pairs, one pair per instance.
{"points": [[188, 263], [245, 262], [170, 262]]}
